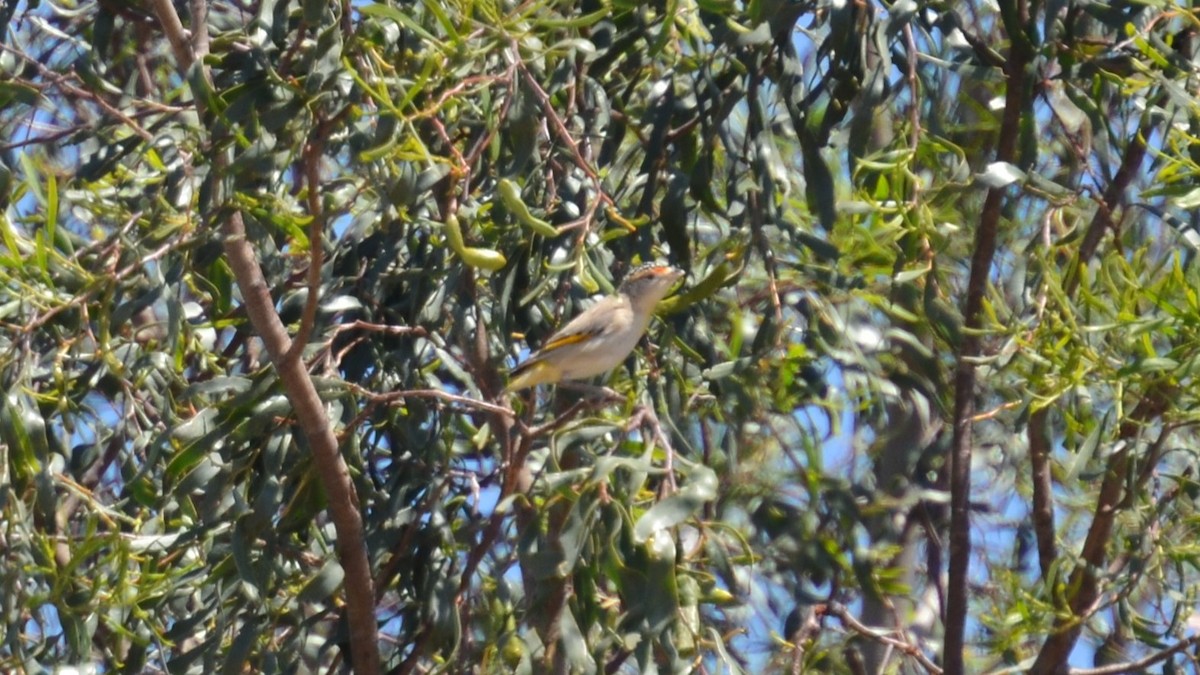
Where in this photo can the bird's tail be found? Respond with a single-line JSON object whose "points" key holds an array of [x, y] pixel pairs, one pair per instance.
{"points": [[531, 374]]}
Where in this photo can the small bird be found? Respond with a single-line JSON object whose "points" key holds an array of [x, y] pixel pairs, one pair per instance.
{"points": [[602, 336]]}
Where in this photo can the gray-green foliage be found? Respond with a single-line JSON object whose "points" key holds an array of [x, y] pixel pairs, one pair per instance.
{"points": [[484, 167]]}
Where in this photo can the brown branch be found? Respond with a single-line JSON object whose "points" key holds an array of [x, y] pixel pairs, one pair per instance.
{"points": [[359, 324], [906, 648], [314, 422], [316, 248], [310, 411], [112, 278], [48, 139], [1042, 512], [1058, 645], [914, 112], [1151, 457], [485, 138], [1084, 580], [959, 464], [336, 357], [434, 394], [514, 481], [52, 137], [550, 595], [559, 421], [176, 34], [560, 129], [199, 34], [1102, 220], [62, 82], [1141, 664], [645, 417]]}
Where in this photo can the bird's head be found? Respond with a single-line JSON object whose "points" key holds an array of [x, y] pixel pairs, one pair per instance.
{"points": [[646, 284]]}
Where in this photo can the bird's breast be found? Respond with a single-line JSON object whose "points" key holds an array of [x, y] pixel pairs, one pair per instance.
{"points": [[607, 350]]}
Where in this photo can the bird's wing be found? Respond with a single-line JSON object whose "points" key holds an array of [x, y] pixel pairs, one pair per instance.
{"points": [[569, 337], [569, 334], [578, 329]]}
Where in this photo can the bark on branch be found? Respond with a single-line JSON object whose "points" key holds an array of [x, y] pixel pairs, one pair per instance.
{"points": [[1053, 656], [959, 463], [298, 385]]}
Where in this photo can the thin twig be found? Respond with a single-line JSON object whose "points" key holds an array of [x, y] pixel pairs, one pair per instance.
{"points": [[62, 82], [644, 416], [336, 358], [113, 278], [560, 129], [914, 112], [907, 648], [1084, 580], [311, 159], [1128, 667], [359, 324], [431, 394]]}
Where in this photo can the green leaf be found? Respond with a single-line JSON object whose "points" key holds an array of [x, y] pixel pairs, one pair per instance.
{"points": [[24, 432], [1087, 449], [323, 585], [700, 489], [51, 206], [389, 12]]}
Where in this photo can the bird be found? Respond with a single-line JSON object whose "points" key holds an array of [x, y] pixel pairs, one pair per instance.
{"points": [[600, 338]]}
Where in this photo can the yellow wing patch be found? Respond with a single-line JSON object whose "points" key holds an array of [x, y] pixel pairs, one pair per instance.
{"points": [[564, 340]]}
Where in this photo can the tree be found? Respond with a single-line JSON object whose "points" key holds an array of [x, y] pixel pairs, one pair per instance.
{"points": [[925, 404]]}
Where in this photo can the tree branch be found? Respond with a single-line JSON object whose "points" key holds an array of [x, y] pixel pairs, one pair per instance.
{"points": [[314, 422], [298, 385], [1042, 512], [437, 394], [1053, 656], [907, 648], [964, 377], [1141, 664], [311, 159]]}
